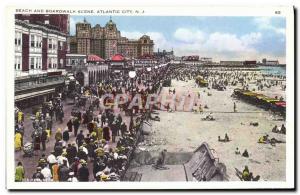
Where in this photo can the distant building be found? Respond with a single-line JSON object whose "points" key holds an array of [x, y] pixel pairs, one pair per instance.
{"points": [[176, 60], [206, 60], [231, 63], [190, 58], [107, 41], [164, 56], [75, 60], [270, 62], [40, 53], [250, 63], [145, 62]]}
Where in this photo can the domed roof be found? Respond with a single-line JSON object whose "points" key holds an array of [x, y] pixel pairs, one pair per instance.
{"points": [[118, 57], [145, 37], [110, 22]]}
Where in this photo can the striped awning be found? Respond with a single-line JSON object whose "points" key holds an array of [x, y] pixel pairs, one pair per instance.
{"points": [[94, 58]]}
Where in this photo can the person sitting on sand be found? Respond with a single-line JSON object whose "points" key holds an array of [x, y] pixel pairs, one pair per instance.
{"points": [[254, 178], [200, 108], [226, 138], [195, 108], [246, 174], [275, 129], [266, 138], [245, 153], [283, 129], [210, 116], [261, 140], [237, 151]]}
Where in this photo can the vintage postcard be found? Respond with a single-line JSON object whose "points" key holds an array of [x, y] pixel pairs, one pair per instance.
{"points": [[150, 98]]}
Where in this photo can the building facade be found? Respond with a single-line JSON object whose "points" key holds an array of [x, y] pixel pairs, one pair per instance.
{"points": [[231, 63], [40, 56], [270, 62], [107, 41], [87, 69], [165, 56]]}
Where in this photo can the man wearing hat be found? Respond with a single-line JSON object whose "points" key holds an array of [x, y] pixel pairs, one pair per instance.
{"points": [[47, 173], [66, 135], [114, 131], [81, 154], [76, 124], [62, 159], [106, 133], [98, 166], [63, 171], [80, 138], [71, 153], [72, 178], [51, 159], [75, 166], [58, 135], [84, 147], [83, 172], [38, 176], [99, 152]]}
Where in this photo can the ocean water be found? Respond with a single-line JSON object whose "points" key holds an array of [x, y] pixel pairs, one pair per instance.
{"points": [[275, 70]]}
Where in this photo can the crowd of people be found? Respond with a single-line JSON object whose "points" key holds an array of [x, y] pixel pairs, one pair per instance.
{"points": [[104, 138]]}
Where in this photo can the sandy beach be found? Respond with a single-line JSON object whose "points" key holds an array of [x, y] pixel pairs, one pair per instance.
{"points": [[183, 131]]}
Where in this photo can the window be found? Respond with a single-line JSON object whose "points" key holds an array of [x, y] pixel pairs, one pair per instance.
{"points": [[50, 43], [17, 62], [46, 21], [49, 62], [39, 63], [38, 41], [31, 63], [54, 44], [32, 40]]}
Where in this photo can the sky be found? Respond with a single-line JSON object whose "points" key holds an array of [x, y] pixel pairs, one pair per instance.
{"points": [[222, 38]]}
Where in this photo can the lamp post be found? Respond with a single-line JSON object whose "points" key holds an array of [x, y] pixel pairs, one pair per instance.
{"points": [[132, 75]]}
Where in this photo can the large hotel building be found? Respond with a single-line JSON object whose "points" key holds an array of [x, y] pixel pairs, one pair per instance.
{"points": [[40, 56], [107, 41]]}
